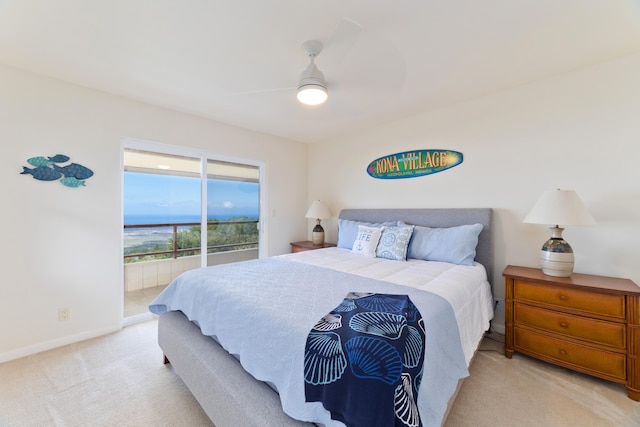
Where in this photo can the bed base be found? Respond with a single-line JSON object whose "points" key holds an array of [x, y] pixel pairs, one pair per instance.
{"points": [[228, 394]]}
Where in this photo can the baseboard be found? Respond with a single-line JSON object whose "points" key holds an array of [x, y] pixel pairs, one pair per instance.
{"points": [[138, 318], [49, 345], [497, 328]]}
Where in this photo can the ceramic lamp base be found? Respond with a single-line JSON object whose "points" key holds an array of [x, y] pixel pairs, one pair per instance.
{"points": [[556, 257], [317, 235], [555, 264]]}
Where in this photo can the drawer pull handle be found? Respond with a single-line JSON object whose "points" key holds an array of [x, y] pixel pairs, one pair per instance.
{"points": [[564, 324], [562, 297], [563, 352]]}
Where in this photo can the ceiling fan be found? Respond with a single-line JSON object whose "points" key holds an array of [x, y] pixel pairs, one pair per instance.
{"points": [[351, 58], [312, 88]]}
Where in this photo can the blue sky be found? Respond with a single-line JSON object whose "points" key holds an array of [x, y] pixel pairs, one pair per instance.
{"points": [[165, 195]]}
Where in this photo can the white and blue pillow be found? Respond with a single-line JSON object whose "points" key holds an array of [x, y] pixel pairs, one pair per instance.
{"points": [[367, 240], [394, 243]]}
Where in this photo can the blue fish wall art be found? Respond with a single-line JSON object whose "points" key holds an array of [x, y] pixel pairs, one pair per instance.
{"points": [[48, 169]]}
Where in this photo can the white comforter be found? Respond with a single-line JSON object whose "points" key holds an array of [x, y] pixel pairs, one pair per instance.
{"points": [[465, 287]]}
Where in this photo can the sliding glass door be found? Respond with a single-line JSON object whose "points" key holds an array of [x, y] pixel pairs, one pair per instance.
{"points": [[169, 198], [233, 206]]}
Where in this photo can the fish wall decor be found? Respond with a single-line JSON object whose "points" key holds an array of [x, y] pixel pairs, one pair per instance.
{"points": [[49, 169]]}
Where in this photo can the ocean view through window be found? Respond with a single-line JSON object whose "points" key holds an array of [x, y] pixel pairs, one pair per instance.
{"points": [[182, 212], [155, 198]]}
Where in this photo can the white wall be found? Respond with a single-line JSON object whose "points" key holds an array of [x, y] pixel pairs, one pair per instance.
{"points": [[61, 246], [578, 131]]}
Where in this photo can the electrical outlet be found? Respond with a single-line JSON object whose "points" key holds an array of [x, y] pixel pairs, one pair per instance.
{"points": [[63, 314]]}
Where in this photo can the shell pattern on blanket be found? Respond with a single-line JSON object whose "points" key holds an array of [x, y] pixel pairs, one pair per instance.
{"points": [[364, 361]]}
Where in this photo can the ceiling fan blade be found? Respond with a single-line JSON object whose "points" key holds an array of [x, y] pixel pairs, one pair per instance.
{"points": [[342, 41], [259, 91]]}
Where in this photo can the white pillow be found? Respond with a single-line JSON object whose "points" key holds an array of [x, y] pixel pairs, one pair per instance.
{"points": [[348, 231], [367, 240]]}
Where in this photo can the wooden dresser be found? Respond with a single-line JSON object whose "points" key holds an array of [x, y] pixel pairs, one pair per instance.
{"points": [[587, 323]]}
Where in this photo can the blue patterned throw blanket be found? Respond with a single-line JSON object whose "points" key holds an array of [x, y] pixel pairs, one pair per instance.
{"points": [[364, 361]]}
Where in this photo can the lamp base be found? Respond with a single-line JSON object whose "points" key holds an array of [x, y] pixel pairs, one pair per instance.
{"points": [[556, 255], [317, 235], [317, 238]]}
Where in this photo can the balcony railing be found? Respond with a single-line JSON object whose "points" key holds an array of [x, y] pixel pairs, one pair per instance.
{"points": [[179, 228]]}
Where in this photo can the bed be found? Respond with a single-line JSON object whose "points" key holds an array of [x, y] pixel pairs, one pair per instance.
{"points": [[214, 360]]}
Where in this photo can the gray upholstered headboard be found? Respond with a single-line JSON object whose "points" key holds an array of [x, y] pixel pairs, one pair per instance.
{"points": [[437, 218]]}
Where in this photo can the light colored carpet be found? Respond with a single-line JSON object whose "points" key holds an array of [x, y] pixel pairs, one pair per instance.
{"points": [[526, 392], [116, 380], [119, 380]]}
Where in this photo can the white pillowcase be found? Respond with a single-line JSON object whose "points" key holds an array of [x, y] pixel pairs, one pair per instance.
{"points": [[367, 240], [348, 230]]}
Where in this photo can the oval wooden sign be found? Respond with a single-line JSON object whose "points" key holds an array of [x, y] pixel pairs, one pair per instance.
{"points": [[411, 164]]}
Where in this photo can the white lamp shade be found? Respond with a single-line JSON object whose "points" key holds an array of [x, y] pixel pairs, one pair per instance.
{"points": [[559, 207], [318, 210]]}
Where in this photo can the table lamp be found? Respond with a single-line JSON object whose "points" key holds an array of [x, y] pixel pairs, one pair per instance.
{"points": [[559, 207], [318, 210]]}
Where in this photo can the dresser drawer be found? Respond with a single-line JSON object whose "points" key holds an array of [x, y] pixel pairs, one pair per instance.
{"points": [[578, 300], [592, 330], [587, 359]]}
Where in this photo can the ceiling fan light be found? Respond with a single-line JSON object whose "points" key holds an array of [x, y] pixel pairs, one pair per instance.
{"points": [[312, 89], [312, 94]]}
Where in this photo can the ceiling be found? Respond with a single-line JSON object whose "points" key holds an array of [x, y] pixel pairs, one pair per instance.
{"points": [[239, 61]]}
